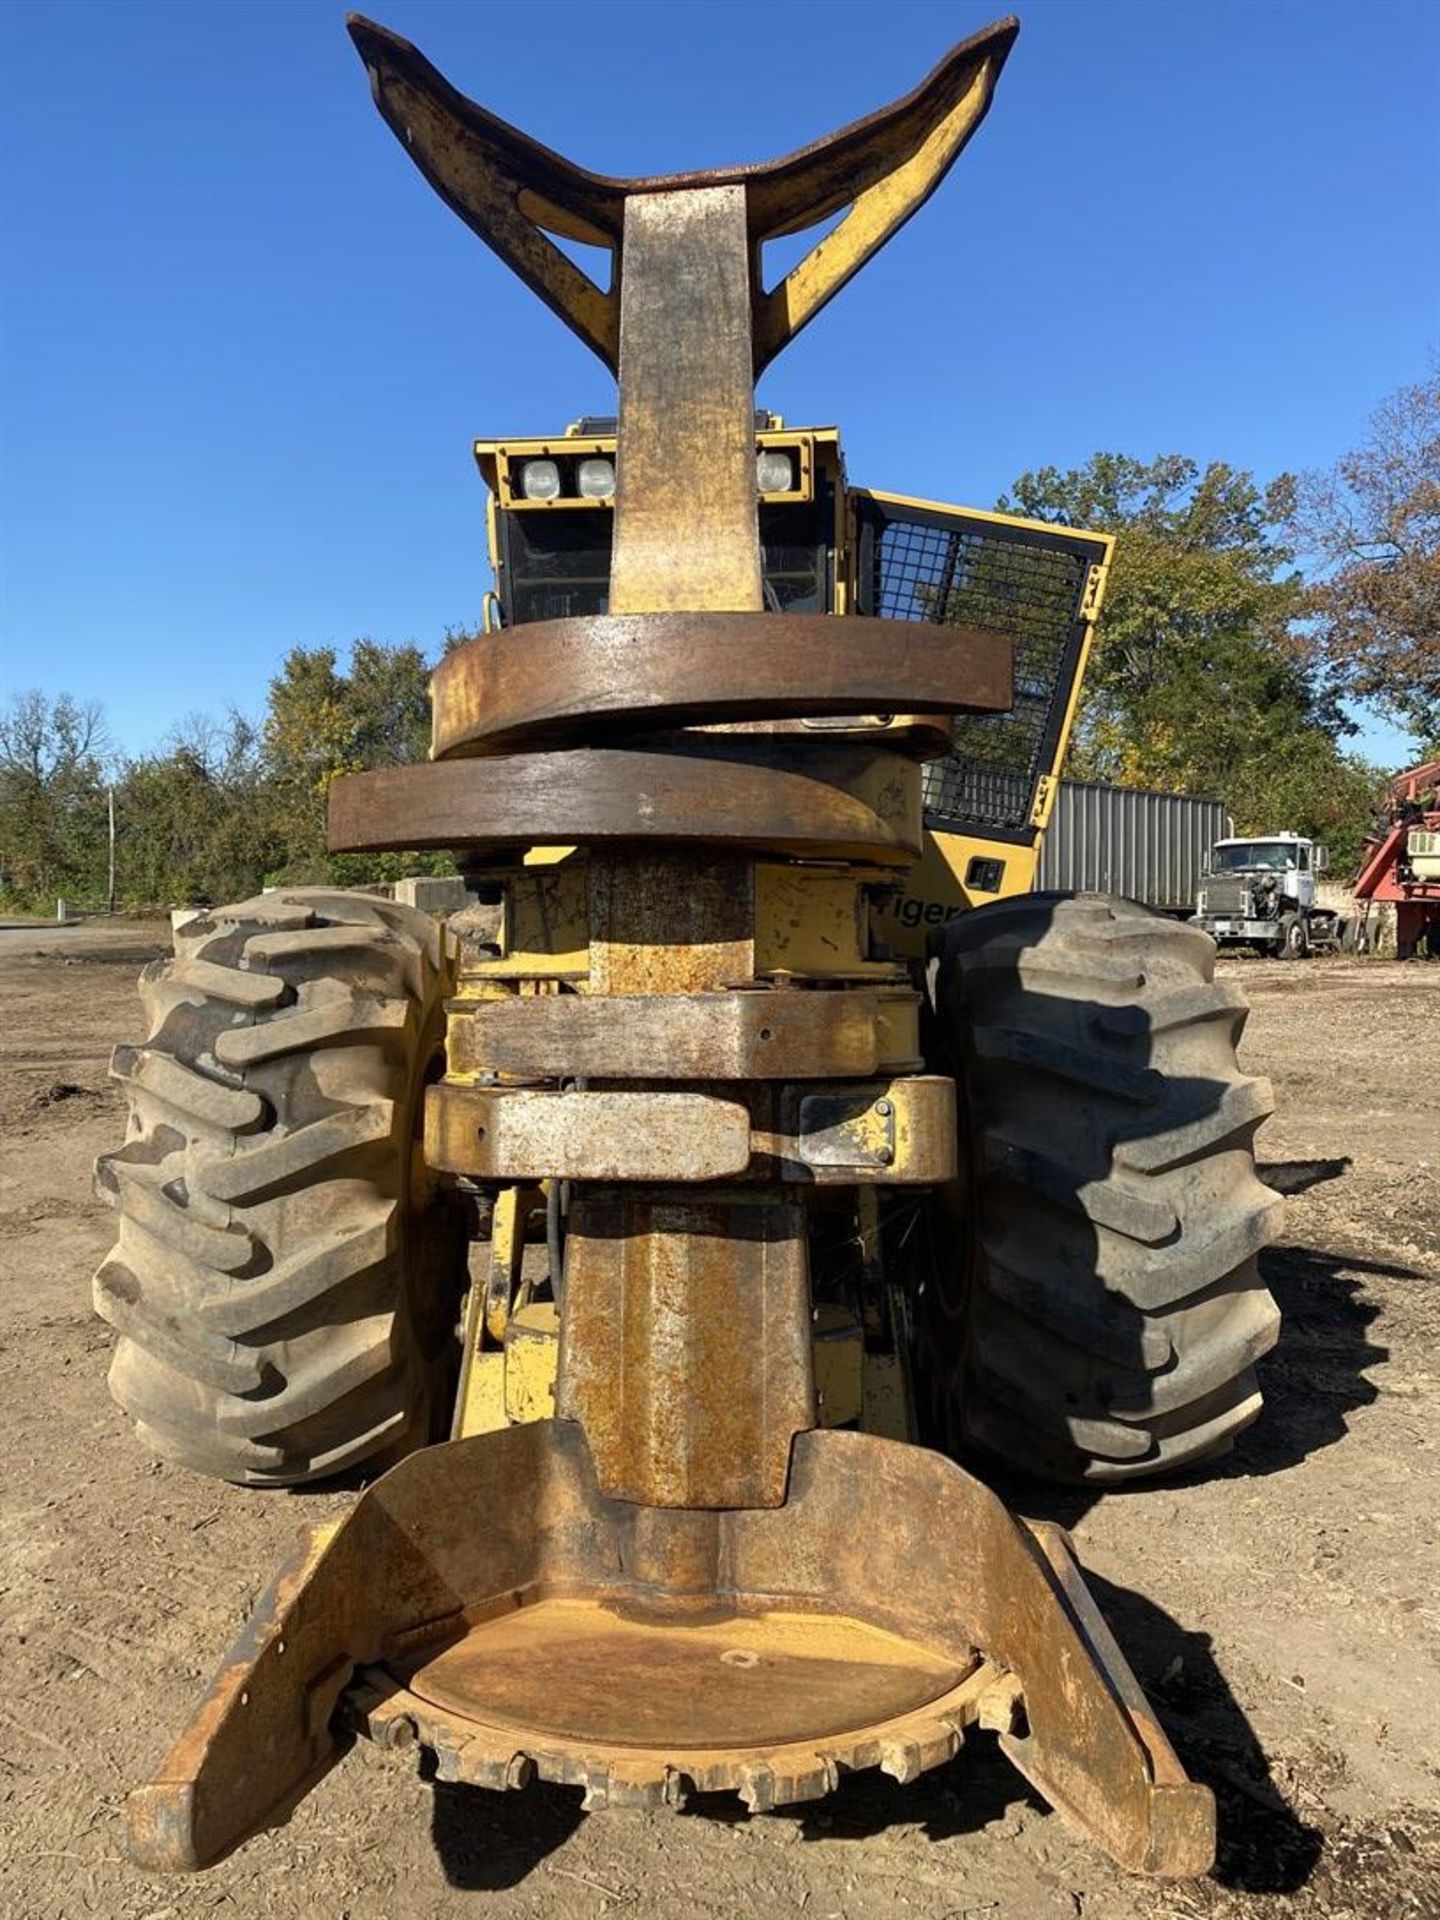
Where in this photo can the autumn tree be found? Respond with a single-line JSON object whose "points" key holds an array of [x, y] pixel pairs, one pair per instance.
{"points": [[1371, 528], [1201, 681]]}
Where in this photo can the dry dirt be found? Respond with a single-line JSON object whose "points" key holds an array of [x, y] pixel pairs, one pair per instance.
{"points": [[1284, 1613]]}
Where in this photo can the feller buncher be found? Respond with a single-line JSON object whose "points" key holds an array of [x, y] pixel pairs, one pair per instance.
{"points": [[756, 1146]]}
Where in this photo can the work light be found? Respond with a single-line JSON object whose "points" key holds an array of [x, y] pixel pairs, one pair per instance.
{"points": [[774, 471], [597, 479], [540, 480]]}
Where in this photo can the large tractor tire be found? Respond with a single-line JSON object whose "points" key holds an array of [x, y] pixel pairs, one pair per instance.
{"points": [[1102, 1317], [285, 1283]]}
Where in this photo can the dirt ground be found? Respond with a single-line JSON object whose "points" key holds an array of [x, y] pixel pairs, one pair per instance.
{"points": [[1284, 1613]]}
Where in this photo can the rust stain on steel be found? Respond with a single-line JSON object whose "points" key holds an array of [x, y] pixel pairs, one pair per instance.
{"points": [[506, 186], [748, 1680], [686, 504], [899, 1131], [664, 922], [554, 683], [261, 1732], [706, 1036], [686, 1352], [787, 795], [511, 1133], [452, 1627], [902, 1745]]}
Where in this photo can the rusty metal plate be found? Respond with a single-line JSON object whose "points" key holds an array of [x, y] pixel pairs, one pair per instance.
{"points": [[898, 1132], [738, 1681], [666, 922], [553, 682], [820, 1135], [686, 535], [786, 795], [687, 1355], [717, 1036], [785, 195], [519, 1134]]}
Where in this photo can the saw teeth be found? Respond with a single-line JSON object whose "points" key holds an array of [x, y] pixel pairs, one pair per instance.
{"points": [[757, 1789]]}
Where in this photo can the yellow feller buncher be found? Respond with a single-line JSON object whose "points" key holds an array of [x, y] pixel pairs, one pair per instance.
{"points": [[754, 1145]]}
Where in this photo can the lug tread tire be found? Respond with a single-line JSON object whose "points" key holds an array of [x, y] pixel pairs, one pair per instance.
{"points": [[283, 1309], [1112, 1313]]}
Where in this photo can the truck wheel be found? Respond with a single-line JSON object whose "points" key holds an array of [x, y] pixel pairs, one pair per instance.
{"points": [[1095, 1313], [285, 1283], [1293, 942]]}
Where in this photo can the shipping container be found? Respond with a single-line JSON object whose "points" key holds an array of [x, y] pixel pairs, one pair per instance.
{"points": [[1151, 847]]}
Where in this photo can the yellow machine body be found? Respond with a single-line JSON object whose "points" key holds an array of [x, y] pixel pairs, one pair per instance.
{"points": [[965, 862]]}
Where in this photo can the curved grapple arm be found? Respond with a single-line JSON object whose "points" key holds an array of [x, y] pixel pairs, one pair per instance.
{"points": [[515, 193]]}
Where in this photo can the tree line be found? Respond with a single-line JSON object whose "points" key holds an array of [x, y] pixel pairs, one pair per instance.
{"points": [[1241, 620], [223, 806]]}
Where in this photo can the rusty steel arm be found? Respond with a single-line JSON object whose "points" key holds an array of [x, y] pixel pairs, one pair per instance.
{"points": [[515, 193]]}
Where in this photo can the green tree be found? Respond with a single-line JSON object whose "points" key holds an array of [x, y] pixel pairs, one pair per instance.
{"points": [[197, 822], [322, 722], [53, 831], [1371, 528], [1201, 679], [388, 695], [309, 738]]}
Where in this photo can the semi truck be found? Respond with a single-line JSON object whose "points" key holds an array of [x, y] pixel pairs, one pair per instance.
{"points": [[1263, 892]]}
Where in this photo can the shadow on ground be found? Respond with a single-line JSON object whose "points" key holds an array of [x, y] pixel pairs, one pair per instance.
{"points": [[1299, 1176], [1316, 1377], [487, 1842], [1264, 1847]]}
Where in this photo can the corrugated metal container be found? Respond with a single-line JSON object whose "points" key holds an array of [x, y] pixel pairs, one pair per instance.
{"points": [[1146, 846]]}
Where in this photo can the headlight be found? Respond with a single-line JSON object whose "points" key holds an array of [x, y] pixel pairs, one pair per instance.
{"points": [[597, 479], [1202, 900], [774, 471], [540, 480]]}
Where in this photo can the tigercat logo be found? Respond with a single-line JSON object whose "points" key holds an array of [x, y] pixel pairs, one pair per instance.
{"points": [[913, 912]]}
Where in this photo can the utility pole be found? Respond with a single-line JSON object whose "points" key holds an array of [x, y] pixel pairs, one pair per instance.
{"points": [[110, 808]]}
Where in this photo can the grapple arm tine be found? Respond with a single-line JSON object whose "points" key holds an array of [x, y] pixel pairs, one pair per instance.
{"points": [[514, 192]]}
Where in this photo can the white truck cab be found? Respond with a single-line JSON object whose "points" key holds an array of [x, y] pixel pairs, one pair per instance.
{"points": [[1262, 892]]}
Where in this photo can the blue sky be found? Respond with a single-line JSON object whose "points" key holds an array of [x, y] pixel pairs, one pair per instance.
{"points": [[245, 348]]}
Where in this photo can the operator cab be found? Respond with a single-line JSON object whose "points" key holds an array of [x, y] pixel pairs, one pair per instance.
{"points": [[551, 532], [827, 547]]}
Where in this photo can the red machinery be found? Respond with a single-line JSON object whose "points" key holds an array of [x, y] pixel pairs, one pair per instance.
{"points": [[1400, 863]]}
